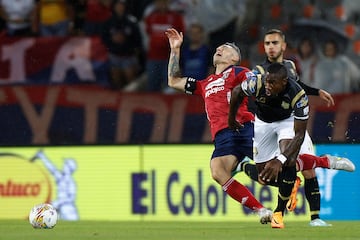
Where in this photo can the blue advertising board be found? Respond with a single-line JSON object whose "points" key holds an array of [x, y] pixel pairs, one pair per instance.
{"points": [[340, 190]]}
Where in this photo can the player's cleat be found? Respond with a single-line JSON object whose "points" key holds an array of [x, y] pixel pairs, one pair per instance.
{"points": [[277, 220], [291, 204], [340, 163], [319, 223], [265, 215], [240, 166]]}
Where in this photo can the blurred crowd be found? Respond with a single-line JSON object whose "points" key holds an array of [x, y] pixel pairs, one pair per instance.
{"points": [[133, 33]]}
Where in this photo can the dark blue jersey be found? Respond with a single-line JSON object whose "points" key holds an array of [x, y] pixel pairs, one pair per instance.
{"points": [[291, 101]]}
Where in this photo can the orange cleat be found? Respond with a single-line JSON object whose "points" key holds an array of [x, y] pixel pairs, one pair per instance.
{"points": [[291, 204], [277, 220]]}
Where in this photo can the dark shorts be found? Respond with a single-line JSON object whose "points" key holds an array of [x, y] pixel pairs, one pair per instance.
{"points": [[238, 143]]}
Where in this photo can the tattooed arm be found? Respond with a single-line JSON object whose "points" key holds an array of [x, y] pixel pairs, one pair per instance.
{"points": [[175, 80]]}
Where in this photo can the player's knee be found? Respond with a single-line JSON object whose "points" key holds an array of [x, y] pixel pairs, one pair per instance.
{"points": [[215, 174]]}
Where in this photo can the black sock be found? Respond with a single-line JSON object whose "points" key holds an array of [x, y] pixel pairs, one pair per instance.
{"points": [[286, 183], [312, 194]]}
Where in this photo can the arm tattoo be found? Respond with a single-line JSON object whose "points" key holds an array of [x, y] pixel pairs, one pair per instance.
{"points": [[174, 66]]}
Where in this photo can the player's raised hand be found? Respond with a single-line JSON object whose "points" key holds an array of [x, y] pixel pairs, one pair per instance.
{"points": [[175, 38], [326, 97]]}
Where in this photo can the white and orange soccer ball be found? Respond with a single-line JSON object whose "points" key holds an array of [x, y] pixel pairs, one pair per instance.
{"points": [[43, 216]]}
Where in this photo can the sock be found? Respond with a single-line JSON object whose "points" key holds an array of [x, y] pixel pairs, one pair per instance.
{"points": [[307, 161], [312, 195], [286, 183], [251, 171], [241, 194]]}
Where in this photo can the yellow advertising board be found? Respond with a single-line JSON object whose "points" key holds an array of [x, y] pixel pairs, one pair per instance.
{"points": [[125, 182]]}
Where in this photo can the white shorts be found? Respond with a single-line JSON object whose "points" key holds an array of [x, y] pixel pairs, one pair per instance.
{"points": [[268, 135]]}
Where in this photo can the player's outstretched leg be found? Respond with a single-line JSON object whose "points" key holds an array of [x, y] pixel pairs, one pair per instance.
{"points": [[308, 161]]}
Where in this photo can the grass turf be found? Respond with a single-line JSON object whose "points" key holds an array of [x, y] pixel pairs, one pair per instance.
{"points": [[16, 229]]}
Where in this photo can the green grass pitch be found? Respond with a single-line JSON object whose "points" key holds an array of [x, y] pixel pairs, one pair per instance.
{"points": [[81, 230]]}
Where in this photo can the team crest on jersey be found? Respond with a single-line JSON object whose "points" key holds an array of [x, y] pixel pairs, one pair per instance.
{"points": [[226, 74], [285, 105], [302, 102]]}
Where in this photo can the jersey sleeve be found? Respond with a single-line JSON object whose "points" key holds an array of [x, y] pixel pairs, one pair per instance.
{"points": [[309, 90], [252, 84], [301, 106], [258, 69]]}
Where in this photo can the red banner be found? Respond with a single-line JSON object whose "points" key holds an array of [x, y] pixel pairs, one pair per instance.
{"points": [[52, 60]]}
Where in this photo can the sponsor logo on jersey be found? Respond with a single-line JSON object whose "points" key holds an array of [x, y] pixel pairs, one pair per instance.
{"points": [[215, 87], [244, 85], [285, 105], [302, 102], [249, 74], [217, 83], [252, 84], [306, 110]]}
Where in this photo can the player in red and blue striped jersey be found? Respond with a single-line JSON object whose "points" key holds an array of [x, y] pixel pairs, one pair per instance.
{"points": [[231, 147]]}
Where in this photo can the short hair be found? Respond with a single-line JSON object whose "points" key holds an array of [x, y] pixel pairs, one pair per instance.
{"points": [[236, 48], [276, 31], [278, 69]]}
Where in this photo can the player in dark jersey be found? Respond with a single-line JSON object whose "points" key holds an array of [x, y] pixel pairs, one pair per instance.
{"points": [[280, 126], [230, 146], [275, 46]]}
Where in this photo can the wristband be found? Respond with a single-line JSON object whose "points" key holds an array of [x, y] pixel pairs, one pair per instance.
{"points": [[281, 158]]}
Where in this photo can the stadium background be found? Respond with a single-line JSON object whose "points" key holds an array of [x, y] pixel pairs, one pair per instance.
{"points": [[142, 156]]}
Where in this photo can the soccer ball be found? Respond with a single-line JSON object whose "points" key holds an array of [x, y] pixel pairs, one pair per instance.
{"points": [[43, 216]]}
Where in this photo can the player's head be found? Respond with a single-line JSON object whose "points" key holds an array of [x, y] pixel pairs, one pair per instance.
{"points": [[227, 53], [274, 45], [275, 79]]}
